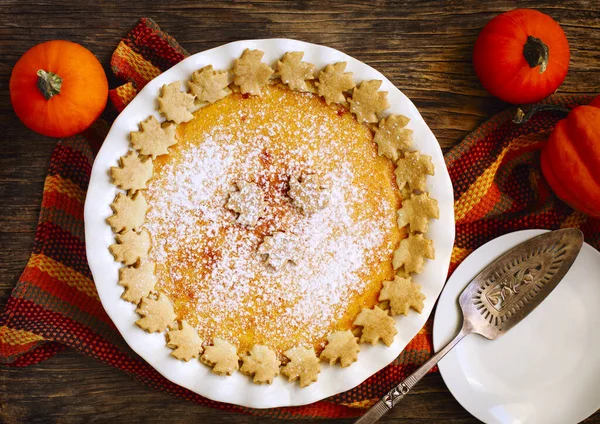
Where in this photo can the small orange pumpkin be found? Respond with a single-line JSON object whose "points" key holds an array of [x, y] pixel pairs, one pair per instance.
{"points": [[571, 159], [58, 88], [521, 56]]}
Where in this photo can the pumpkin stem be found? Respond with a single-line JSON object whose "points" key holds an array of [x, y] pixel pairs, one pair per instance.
{"points": [[522, 117], [536, 53], [48, 83]]}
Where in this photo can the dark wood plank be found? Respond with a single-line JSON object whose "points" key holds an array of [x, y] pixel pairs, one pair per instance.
{"points": [[424, 47], [73, 388]]}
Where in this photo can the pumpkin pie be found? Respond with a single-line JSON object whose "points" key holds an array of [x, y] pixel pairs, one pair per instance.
{"points": [[259, 221]]}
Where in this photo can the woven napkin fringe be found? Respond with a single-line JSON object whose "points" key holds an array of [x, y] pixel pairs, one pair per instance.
{"points": [[145, 53]]}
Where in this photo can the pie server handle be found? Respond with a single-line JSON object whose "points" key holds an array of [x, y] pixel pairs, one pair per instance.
{"points": [[394, 396]]}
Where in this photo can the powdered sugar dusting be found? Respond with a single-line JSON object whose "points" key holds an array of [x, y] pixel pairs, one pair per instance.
{"points": [[209, 265]]}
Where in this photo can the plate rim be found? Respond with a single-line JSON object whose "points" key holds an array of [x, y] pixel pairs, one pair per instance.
{"points": [[528, 234], [260, 396]]}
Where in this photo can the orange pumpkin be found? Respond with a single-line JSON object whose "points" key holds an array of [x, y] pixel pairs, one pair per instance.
{"points": [[571, 159], [521, 56], [58, 88]]}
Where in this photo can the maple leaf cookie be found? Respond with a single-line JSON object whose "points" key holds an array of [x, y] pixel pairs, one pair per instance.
{"points": [[131, 246], [185, 341], [210, 85], [333, 82], [153, 139], [294, 72], [260, 363], [392, 136], [221, 356], [303, 365], [129, 212], [157, 314], [402, 294], [175, 104], [376, 325], [416, 212], [250, 74], [279, 249], [248, 201], [412, 170], [412, 253], [341, 346], [309, 193], [367, 101], [138, 281], [132, 173]]}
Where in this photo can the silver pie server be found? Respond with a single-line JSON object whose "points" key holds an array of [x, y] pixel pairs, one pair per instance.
{"points": [[497, 299]]}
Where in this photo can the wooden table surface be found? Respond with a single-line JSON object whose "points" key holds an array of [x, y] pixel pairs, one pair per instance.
{"points": [[423, 47]]}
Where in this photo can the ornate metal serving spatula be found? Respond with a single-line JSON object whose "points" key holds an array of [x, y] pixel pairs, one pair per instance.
{"points": [[504, 293]]}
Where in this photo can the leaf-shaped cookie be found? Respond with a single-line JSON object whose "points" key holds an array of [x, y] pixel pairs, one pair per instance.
{"points": [[308, 193], [416, 211], [131, 246], [279, 249], [294, 72], [367, 101], [157, 314], [303, 365], [248, 201], [132, 173], [250, 74], [412, 253], [138, 281], [129, 212], [221, 356], [391, 136], [210, 85], [402, 294], [341, 346], [333, 82], [376, 325], [175, 104], [262, 363], [153, 139], [412, 170], [185, 341]]}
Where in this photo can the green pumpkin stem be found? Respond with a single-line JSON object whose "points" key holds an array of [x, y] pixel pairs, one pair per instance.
{"points": [[536, 53], [522, 117], [48, 83]]}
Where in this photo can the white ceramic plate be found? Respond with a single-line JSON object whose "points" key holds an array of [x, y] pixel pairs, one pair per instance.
{"points": [[545, 370], [238, 389]]}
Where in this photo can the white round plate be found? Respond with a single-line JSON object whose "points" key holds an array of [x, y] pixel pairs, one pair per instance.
{"points": [[546, 369], [239, 389]]}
